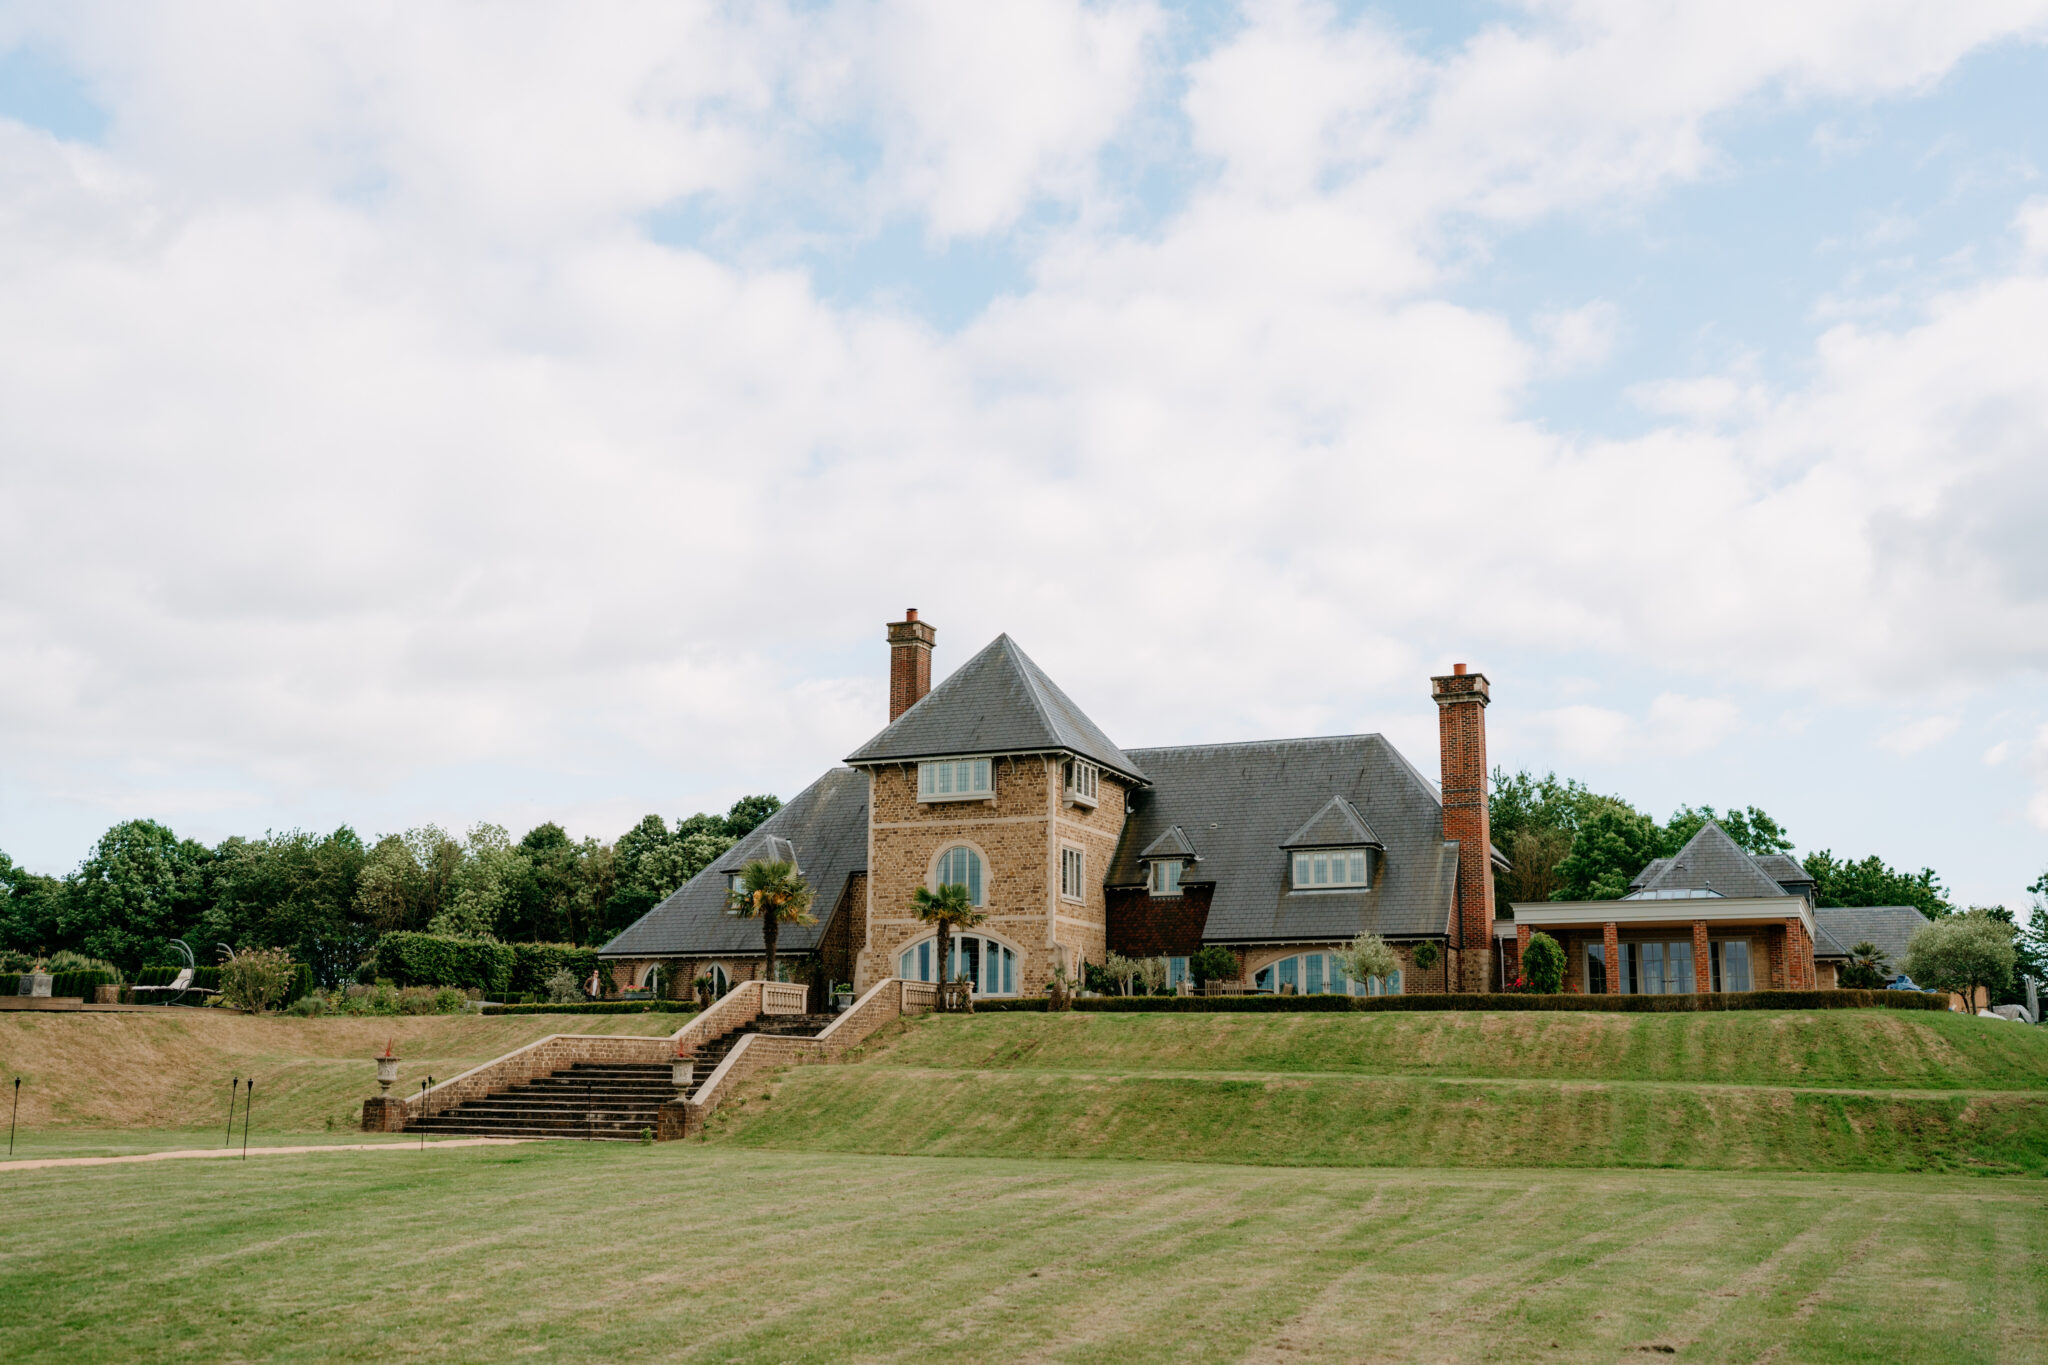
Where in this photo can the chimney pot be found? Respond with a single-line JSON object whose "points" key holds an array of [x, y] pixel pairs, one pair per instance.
{"points": [[910, 614], [1457, 669], [910, 662]]}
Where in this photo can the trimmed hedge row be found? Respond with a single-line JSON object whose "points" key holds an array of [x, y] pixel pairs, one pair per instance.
{"points": [[599, 1007], [409, 959], [203, 978], [1382, 1004]]}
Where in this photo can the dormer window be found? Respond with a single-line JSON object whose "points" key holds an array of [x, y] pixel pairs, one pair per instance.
{"points": [[955, 779], [1166, 877], [1082, 780], [1329, 869]]}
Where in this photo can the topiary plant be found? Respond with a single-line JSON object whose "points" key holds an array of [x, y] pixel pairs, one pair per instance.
{"points": [[1543, 964], [1426, 954]]}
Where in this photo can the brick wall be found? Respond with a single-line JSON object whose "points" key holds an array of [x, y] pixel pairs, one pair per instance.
{"points": [[1461, 730]]}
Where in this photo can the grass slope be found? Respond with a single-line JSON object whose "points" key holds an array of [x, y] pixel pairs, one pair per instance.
{"points": [[549, 1251], [1864, 1049], [1356, 1090], [1373, 1121], [171, 1070]]}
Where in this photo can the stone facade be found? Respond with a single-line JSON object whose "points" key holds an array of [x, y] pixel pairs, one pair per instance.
{"points": [[1019, 833]]}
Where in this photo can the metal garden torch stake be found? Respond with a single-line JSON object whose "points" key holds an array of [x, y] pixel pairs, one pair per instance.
{"points": [[248, 1108], [423, 1113], [234, 1089], [11, 1117]]}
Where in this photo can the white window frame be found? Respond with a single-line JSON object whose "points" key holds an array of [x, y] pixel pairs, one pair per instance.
{"points": [[1340, 869], [936, 878], [1082, 782], [1008, 955], [941, 779], [1073, 859], [1162, 883]]}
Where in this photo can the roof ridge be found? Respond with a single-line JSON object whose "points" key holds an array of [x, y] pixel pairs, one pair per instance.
{"points": [[1028, 666], [1248, 743]]}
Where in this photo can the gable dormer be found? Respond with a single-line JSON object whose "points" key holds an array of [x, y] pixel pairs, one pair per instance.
{"points": [[1166, 861], [1334, 850]]}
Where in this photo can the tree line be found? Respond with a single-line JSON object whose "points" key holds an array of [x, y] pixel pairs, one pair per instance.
{"points": [[327, 898], [1569, 843]]}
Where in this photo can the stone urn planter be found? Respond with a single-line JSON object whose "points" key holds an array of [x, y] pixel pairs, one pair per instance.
{"points": [[842, 1001], [682, 1069], [387, 1072]]}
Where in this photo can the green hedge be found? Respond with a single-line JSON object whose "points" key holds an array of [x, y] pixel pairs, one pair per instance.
{"points": [[599, 1007], [495, 968], [1592, 1004], [534, 963], [407, 959], [80, 984]]}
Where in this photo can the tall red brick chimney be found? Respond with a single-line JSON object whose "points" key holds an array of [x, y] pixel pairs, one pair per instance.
{"points": [[1461, 701], [910, 662]]}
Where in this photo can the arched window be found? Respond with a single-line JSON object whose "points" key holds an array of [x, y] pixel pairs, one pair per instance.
{"points": [[961, 866], [720, 982], [991, 966], [1320, 974], [653, 978]]}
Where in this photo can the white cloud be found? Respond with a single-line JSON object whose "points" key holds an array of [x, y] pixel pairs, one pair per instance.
{"points": [[1913, 736], [1675, 726], [1997, 753], [352, 428], [1578, 339]]}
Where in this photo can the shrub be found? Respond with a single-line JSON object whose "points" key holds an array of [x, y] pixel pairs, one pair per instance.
{"points": [[257, 978], [599, 1007], [1961, 953], [534, 963], [1543, 964], [1213, 963], [1426, 954], [565, 988], [64, 962], [409, 959]]}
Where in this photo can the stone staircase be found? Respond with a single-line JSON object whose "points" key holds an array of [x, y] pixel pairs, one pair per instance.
{"points": [[603, 1101]]}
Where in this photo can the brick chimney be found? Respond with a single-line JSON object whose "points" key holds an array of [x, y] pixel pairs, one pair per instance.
{"points": [[1461, 700], [910, 662]]}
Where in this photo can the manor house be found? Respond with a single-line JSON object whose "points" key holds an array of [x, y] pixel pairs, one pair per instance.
{"points": [[1281, 851]]}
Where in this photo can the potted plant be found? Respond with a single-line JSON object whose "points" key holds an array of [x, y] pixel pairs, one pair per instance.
{"points": [[842, 997], [683, 1069], [703, 985], [387, 1069]]}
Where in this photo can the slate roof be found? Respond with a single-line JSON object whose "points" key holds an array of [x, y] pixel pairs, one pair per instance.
{"points": [[1337, 825], [1840, 928], [998, 702], [1710, 861], [825, 825], [1172, 844], [1784, 869], [1241, 802]]}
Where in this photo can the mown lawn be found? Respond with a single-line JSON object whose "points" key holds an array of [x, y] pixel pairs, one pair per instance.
{"points": [[683, 1252], [1293, 1120], [1867, 1049], [169, 1072]]}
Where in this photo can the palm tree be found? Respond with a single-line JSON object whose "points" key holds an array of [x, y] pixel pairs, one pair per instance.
{"points": [[774, 894], [1870, 967], [949, 909]]}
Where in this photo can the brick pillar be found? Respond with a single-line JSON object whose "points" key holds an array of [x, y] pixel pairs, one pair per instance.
{"points": [[1461, 700], [1610, 942], [1776, 941], [1702, 962], [910, 662], [1798, 955], [1521, 951]]}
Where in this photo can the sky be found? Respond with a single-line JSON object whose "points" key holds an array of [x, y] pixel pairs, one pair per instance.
{"points": [[517, 412]]}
